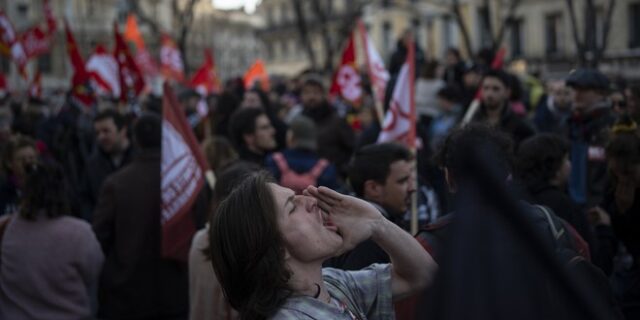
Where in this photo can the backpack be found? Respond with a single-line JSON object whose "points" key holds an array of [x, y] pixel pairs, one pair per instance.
{"points": [[298, 181]]}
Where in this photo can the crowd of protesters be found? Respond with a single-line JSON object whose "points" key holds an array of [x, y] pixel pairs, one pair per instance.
{"points": [[80, 197]]}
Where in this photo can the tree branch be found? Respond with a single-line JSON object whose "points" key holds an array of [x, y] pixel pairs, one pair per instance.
{"points": [[134, 7], [605, 30], [455, 8], [574, 30], [505, 22], [303, 32]]}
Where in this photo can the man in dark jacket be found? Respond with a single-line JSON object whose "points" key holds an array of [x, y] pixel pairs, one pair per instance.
{"points": [[495, 109], [252, 134], [589, 133], [113, 151], [136, 282], [384, 175], [336, 140]]}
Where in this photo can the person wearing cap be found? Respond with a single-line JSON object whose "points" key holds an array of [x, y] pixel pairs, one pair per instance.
{"points": [[301, 156], [588, 131]]}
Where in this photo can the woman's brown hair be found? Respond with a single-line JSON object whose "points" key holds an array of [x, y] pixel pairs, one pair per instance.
{"points": [[247, 249]]}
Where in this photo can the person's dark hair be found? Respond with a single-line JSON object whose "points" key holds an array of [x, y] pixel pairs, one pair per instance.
{"points": [[117, 118], [373, 162], [247, 249], [45, 192], [264, 99], [147, 131], [500, 75], [313, 80], [624, 144], [15, 143], [540, 157], [463, 144], [243, 122], [230, 177], [219, 153], [454, 51], [450, 93]]}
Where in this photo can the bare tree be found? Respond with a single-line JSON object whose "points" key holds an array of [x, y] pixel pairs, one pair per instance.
{"points": [[303, 30], [183, 15], [495, 36], [590, 52], [333, 27]]}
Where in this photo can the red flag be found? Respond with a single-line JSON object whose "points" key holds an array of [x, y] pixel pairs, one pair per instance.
{"points": [[130, 76], [48, 15], [171, 60], [143, 58], [205, 80], [81, 92], [346, 81], [378, 74], [400, 120], [35, 87], [183, 168], [4, 90], [10, 44], [257, 72], [103, 71], [35, 42]]}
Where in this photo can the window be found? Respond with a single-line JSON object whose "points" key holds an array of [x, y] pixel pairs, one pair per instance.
{"points": [[634, 25], [386, 3], [44, 63], [515, 27], [270, 16], [552, 30], [23, 10], [284, 14]]}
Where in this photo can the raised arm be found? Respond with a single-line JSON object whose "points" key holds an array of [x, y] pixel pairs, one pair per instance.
{"points": [[357, 220]]}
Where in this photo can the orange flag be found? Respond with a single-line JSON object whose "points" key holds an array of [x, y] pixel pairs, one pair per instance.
{"points": [[142, 56], [257, 72]]}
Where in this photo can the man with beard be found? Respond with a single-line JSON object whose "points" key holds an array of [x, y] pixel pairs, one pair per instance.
{"points": [[384, 175], [114, 151], [495, 110], [336, 140], [252, 134]]}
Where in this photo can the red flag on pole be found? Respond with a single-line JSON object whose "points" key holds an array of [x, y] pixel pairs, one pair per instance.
{"points": [[130, 76], [81, 92], [378, 74], [400, 121], [35, 42], [4, 90], [257, 73], [103, 71], [346, 81], [35, 88], [183, 168], [205, 80], [10, 44], [171, 59], [48, 15], [143, 58]]}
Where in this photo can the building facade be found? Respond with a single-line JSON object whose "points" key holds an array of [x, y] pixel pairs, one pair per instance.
{"points": [[540, 31], [230, 33]]}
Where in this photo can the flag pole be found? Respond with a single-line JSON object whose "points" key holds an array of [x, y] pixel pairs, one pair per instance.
{"points": [[376, 102], [412, 131]]}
